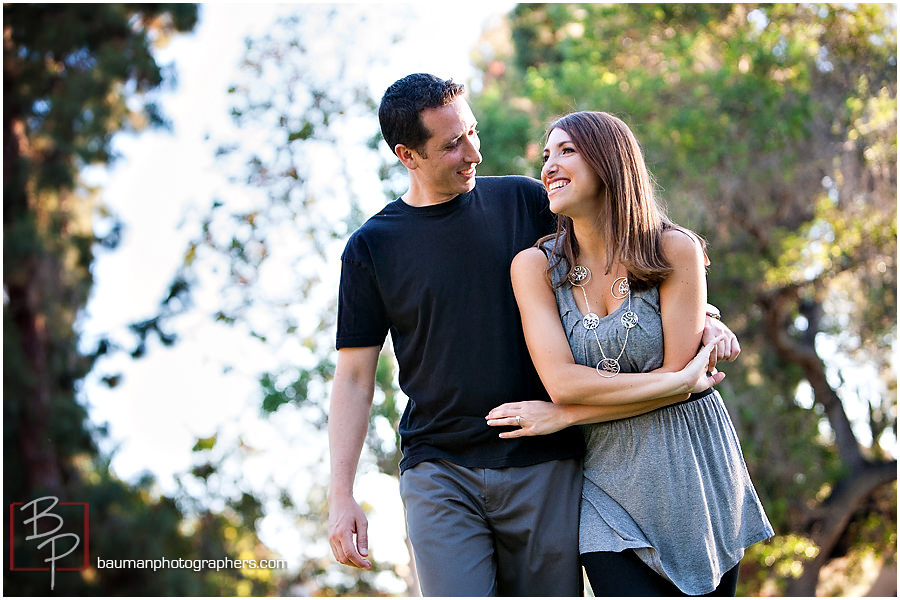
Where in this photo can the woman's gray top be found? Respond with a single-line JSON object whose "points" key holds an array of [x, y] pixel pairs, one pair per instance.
{"points": [[670, 484]]}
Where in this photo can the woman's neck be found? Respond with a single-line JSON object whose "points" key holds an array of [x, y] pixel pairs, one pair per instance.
{"points": [[591, 243]]}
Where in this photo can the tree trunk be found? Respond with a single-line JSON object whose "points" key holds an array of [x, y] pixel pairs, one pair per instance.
{"points": [[26, 287], [829, 522], [38, 459]]}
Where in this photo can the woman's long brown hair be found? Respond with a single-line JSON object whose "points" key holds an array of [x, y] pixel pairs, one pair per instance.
{"points": [[632, 220]]}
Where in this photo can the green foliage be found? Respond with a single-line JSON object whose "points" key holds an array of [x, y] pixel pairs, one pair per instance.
{"points": [[205, 443], [782, 557], [70, 67], [277, 394]]}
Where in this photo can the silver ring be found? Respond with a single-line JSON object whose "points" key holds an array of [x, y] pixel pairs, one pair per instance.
{"points": [[518, 420]]}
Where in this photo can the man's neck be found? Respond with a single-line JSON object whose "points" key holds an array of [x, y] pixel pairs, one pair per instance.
{"points": [[418, 198]]}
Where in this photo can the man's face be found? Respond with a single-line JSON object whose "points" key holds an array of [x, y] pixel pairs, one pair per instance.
{"points": [[447, 163]]}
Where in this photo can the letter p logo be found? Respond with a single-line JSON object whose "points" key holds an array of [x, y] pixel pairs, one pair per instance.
{"points": [[43, 528]]}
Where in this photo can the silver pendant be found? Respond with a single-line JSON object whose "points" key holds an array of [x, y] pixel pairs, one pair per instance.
{"points": [[608, 367], [590, 321], [629, 320], [619, 288], [579, 275]]}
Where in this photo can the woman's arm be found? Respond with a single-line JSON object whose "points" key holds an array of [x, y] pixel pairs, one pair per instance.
{"points": [[537, 417], [566, 381], [682, 298]]}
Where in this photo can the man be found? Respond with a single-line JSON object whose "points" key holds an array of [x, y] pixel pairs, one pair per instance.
{"points": [[486, 516]]}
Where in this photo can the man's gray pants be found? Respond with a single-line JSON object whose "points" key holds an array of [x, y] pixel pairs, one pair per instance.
{"points": [[495, 532]]}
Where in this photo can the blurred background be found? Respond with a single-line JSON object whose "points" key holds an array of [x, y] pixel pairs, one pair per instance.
{"points": [[179, 182]]}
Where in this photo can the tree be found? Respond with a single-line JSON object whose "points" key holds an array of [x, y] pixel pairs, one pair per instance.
{"points": [[771, 130], [75, 75]]}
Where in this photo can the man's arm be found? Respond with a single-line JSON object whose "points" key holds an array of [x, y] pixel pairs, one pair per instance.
{"points": [[348, 422]]}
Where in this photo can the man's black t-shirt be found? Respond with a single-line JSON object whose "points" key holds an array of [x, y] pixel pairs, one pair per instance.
{"points": [[437, 278]]}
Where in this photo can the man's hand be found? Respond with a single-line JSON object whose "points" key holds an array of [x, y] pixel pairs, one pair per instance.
{"points": [[347, 520], [727, 348]]}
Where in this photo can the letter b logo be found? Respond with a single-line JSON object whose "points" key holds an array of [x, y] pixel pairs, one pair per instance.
{"points": [[46, 531]]}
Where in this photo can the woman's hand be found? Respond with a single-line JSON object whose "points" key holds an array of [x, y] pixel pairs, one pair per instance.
{"points": [[536, 417], [701, 373]]}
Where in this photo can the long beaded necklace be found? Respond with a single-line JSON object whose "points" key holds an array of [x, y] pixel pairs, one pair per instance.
{"points": [[580, 275]]}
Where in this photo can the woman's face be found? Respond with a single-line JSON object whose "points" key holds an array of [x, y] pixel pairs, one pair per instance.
{"points": [[573, 187]]}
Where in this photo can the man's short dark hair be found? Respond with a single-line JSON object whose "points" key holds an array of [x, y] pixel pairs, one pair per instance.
{"points": [[400, 112]]}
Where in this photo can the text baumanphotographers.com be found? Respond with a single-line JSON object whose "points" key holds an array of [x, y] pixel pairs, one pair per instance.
{"points": [[198, 564]]}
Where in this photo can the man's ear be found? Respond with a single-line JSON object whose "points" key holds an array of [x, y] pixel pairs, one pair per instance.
{"points": [[408, 156]]}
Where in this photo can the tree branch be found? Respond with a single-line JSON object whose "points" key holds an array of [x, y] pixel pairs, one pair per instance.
{"points": [[804, 355]]}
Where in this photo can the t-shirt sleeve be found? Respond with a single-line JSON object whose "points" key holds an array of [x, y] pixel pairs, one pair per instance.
{"points": [[362, 320]]}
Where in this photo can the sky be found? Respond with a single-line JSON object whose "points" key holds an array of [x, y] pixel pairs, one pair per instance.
{"points": [[159, 185]]}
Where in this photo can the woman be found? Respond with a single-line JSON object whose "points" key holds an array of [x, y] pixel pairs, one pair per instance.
{"points": [[667, 505]]}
